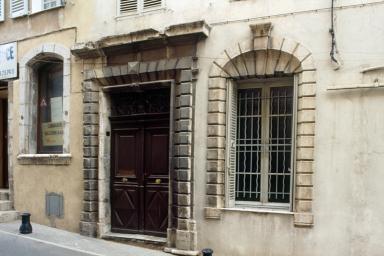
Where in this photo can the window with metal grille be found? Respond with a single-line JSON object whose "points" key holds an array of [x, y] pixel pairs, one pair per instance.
{"points": [[260, 154], [137, 6]]}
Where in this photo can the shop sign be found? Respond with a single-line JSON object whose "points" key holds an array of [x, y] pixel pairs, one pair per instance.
{"points": [[53, 134], [8, 61]]}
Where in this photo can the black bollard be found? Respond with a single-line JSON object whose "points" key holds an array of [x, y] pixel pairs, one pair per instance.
{"points": [[26, 227], [207, 252]]}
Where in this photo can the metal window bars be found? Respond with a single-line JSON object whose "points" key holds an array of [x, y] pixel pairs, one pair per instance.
{"points": [[264, 145]]}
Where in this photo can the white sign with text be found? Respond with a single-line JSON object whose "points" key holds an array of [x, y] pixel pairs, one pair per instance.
{"points": [[8, 61]]}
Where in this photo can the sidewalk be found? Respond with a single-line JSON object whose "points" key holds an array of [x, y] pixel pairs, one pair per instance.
{"points": [[66, 243]]}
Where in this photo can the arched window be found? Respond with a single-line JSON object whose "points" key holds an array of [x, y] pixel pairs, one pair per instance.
{"points": [[45, 81]]}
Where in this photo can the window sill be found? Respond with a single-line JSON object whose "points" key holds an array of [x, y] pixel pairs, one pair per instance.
{"points": [[259, 210], [216, 213], [44, 159]]}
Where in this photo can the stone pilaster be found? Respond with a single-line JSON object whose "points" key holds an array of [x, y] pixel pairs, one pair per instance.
{"points": [[89, 215]]}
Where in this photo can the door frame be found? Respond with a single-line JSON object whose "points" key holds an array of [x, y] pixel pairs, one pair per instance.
{"points": [[104, 159]]}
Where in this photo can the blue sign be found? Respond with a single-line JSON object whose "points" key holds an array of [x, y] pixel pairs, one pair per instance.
{"points": [[8, 61]]}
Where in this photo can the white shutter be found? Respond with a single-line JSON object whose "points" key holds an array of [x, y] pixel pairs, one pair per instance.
{"points": [[231, 142], [36, 6], [18, 8], [49, 4], [128, 6], [151, 4], [1, 10]]}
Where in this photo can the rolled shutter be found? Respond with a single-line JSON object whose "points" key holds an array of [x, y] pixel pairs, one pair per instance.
{"points": [[18, 8], [231, 142], [128, 6], [1, 10], [150, 4]]}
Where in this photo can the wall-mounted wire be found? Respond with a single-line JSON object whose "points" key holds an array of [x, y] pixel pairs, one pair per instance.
{"points": [[333, 35]]}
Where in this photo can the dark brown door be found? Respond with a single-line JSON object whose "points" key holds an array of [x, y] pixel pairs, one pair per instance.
{"points": [[140, 175]]}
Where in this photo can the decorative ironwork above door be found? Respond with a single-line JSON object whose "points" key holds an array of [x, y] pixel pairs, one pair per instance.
{"points": [[156, 101]]}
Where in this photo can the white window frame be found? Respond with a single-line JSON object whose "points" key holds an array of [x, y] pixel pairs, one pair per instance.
{"points": [[231, 145], [38, 5], [140, 8], [2, 10]]}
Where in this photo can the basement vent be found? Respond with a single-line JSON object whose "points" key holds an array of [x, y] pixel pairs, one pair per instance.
{"points": [[128, 6], [54, 205]]}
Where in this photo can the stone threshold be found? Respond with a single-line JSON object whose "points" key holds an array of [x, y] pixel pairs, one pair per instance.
{"points": [[135, 238]]}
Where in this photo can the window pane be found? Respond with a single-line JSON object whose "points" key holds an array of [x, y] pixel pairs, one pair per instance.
{"points": [[248, 145], [280, 144], [50, 107]]}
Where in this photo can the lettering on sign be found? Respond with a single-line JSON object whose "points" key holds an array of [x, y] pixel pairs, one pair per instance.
{"points": [[53, 134], [8, 61]]}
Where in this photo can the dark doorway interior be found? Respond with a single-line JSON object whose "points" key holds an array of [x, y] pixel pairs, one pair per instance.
{"points": [[140, 161], [4, 143]]}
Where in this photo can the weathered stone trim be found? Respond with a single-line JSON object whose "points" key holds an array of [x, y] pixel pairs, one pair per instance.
{"points": [[90, 213], [27, 103], [44, 159], [267, 56], [182, 229]]}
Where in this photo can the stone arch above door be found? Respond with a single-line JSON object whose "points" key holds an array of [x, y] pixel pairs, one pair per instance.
{"points": [[263, 56]]}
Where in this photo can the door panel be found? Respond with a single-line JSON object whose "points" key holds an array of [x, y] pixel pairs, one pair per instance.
{"points": [[125, 171], [156, 178], [140, 177], [125, 210], [126, 145]]}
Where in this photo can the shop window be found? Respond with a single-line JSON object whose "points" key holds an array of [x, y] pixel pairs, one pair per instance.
{"points": [[50, 108], [44, 106]]}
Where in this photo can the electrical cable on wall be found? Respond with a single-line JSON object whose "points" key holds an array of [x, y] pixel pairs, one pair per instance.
{"points": [[334, 50]]}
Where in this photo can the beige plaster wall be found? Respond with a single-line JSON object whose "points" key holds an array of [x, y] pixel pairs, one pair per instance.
{"points": [[349, 150], [32, 182], [349, 156]]}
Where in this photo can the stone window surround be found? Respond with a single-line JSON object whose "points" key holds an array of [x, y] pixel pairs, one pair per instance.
{"points": [[27, 88], [229, 67]]}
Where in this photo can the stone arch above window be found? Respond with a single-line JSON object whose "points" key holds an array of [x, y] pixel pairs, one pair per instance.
{"points": [[263, 56], [28, 103]]}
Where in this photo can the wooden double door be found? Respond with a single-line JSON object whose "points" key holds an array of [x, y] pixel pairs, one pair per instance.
{"points": [[140, 174]]}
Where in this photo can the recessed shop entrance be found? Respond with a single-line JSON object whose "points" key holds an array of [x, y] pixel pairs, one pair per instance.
{"points": [[4, 183], [139, 177]]}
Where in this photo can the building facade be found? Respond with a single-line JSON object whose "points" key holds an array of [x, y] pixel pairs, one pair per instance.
{"points": [[250, 127]]}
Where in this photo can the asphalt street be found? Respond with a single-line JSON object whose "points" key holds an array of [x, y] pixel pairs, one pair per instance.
{"points": [[47, 241], [19, 245]]}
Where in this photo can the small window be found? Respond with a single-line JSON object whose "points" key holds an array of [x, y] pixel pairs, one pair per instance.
{"points": [[42, 5], [50, 107], [260, 150], [2, 10], [138, 6]]}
